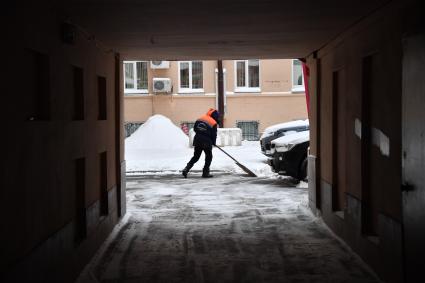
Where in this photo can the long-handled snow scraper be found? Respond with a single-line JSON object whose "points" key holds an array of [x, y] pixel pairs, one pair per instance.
{"points": [[244, 168]]}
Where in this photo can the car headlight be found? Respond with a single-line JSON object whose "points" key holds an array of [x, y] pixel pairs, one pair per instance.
{"points": [[290, 146], [285, 147]]}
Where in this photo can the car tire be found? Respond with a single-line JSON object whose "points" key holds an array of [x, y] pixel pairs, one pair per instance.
{"points": [[302, 174]]}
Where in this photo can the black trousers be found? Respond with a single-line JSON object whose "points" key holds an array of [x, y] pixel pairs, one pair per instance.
{"points": [[199, 147]]}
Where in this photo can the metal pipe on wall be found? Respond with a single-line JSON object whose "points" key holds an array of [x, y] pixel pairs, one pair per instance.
{"points": [[220, 91]]}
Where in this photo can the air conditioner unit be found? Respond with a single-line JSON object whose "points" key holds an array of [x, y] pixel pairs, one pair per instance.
{"points": [[160, 64], [161, 85]]}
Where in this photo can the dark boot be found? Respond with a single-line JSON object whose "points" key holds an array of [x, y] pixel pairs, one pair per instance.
{"points": [[185, 171], [206, 173]]}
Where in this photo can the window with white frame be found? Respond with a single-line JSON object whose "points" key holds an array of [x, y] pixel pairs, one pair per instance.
{"points": [[297, 76], [191, 77], [247, 74], [135, 77]]}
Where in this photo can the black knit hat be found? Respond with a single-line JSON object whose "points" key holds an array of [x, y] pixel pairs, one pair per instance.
{"points": [[213, 113]]}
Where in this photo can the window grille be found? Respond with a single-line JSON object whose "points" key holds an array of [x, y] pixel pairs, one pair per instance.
{"points": [[249, 130], [131, 127]]}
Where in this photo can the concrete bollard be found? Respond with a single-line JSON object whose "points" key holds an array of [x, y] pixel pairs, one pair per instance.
{"points": [[225, 137]]}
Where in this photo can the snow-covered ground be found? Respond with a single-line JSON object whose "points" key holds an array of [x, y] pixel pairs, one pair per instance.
{"points": [[224, 229], [158, 145], [248, 154]]}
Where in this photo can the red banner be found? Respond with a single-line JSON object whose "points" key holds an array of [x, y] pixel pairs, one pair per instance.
{"points": [[306, 73]]}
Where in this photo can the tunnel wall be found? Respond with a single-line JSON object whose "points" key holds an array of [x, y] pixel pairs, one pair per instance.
{"points": [[355, 153], [62, 153]]}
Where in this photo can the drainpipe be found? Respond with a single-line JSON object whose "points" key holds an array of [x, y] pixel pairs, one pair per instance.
{"points": [[220, 91]]}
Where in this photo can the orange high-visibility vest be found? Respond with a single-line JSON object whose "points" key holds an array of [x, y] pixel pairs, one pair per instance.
{"points": [[208, 119]]}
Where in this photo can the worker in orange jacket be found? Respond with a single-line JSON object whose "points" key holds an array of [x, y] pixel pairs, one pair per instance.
{"points": [[206, 134]]}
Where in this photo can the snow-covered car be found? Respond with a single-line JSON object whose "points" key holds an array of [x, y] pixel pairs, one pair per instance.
{"points": [[273, 132], [290, 155]]}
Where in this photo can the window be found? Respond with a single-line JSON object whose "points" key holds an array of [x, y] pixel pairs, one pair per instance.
{"points": [[297, 76], [191, 77], [247, 73], [249, 130], [135, 77]]}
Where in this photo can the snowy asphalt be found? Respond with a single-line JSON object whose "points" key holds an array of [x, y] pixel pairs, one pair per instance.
{"points": [[225, 229]]}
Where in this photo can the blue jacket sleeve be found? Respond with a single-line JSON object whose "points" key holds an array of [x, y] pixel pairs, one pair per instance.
{"points": [[195, 127]]}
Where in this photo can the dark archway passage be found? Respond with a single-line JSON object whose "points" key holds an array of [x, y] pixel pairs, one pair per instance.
{"points": [[63, 155], [231, 229]]}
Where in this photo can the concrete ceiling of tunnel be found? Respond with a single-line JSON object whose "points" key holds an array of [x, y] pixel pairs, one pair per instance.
{"points": [[205, 29]]}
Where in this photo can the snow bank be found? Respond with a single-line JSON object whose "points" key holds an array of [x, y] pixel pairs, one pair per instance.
{"points": [[157, 133]]}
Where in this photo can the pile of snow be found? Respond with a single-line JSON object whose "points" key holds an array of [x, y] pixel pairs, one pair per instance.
{"points": [[158, 132]]}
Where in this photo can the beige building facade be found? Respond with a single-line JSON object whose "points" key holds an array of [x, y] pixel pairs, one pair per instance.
{"points": [[258, 93]]}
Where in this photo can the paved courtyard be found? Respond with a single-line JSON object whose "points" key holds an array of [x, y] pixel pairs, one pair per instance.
{"points": [[226, 229]]}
